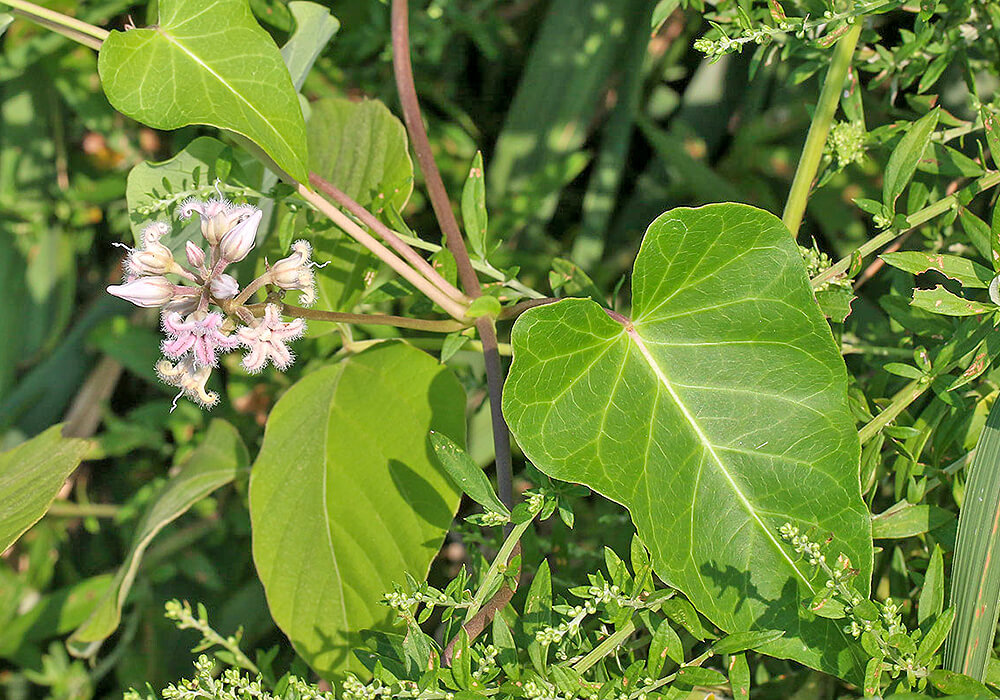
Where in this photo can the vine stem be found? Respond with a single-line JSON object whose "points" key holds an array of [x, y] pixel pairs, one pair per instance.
{"points": [[417, 324], [403, 71], [389, 236], [70, 27], [819, 129], [338, 217], [915, 219]]}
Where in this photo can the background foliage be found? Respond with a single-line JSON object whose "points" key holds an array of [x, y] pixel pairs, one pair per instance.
{"points": [[593, 117]]}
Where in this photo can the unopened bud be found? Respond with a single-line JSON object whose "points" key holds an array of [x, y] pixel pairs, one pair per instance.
{"points": [[294, 272], [154, 232], [224, 287], [195, 255], [239, 241], [154, 259], [148, 292]]}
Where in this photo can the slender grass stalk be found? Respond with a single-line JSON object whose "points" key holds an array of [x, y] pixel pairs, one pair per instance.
{"points": [[819, 129], [975, 587]]}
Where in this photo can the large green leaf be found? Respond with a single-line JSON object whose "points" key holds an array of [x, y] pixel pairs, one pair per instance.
{"points": [[346, 497], [362, 149], [214, 463], [208, 63], [31, 475], [156, 189], [716, 415]]}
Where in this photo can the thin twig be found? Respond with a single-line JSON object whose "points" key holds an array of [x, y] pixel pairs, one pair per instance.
{"points": [[389, 236], [452, 307]]}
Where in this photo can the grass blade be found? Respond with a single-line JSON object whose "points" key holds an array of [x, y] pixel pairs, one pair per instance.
{"points": [[975, 589]]}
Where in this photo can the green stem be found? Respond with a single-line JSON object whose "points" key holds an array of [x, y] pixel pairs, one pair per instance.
{"points": [[411, 275], [812, 152], [491, 574], [903, 398], [70, 27], [68, 509], [417, 324], [604, 648], [941, 206]]}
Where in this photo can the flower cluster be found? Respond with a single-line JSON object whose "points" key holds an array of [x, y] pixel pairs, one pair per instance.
{"points": [[203, 316]]}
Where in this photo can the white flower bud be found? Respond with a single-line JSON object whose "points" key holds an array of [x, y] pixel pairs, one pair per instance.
{"points": [[148, 292], [224, 287], [195, 255], [154, 259], [240, 240], [295, 272]]}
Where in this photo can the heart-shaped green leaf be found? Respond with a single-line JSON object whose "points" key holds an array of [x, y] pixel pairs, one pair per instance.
{"points": [[715, 416], [208, 63], [347, 498]]}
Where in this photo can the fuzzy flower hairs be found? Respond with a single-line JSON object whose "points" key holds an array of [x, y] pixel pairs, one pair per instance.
{"points": [[203, 314]]}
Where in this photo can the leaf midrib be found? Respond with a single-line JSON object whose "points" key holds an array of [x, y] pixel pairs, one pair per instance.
{"points": [[222, 81], [634, 337]]}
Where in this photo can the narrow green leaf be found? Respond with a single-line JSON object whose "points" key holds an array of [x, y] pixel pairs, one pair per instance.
{"points": [[935, 636], [339, 517], [664, 644], [461, 662], [745, 641], [931, 601], [314, 27], [503, 640], [214, 463], [183, 70], [690, 676], [474, 207], [653, 414], [991, 125], [538, 604], [909, 520], [873, 676], [466, 473], [995, 239], [31, 475], [453, 342], [906, 156], [739, 677], [940, 301], [975, 586], [970, 274], [953, 683]]}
